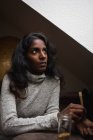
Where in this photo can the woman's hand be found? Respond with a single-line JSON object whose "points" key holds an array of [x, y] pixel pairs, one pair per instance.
{"points": [[85, 127], [76, 111]]}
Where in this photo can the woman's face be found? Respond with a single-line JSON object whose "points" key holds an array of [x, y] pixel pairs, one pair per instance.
{"points": [[37, 56]]}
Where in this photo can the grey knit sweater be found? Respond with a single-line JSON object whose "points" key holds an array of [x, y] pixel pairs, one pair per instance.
{"points": [[38, 111]]}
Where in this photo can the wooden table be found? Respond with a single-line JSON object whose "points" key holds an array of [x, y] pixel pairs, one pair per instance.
{"points": [[43, 136]]}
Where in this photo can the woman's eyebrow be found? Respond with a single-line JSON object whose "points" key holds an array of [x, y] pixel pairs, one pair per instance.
{"points": [[35, 48]]}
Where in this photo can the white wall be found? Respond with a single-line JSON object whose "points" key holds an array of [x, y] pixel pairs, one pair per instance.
{"points": [[74, 17]]}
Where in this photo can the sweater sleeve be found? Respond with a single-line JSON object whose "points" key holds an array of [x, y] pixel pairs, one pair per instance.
{"points": [[12, 124]]}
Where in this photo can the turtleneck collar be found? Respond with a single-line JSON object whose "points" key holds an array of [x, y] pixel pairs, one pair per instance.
{"points": [[35, 78]]}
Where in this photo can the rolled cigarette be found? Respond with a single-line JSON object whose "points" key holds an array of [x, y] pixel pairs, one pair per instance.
{"points": [[81, 98]]}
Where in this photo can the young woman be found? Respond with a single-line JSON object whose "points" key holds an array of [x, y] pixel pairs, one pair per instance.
{"points": [[30, 90]]}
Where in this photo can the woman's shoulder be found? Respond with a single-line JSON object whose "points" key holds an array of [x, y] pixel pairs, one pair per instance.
{"points": [[6, 79], [53, 80]]}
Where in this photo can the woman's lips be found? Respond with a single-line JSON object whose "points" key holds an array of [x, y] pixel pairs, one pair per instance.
{"points": [[43, 63]]}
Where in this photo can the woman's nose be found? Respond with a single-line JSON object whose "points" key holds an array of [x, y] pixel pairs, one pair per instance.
{"points": [[42, 55]]}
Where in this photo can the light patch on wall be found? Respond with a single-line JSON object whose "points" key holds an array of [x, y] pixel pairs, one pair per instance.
{"points": [[7, 45], [74, 17]]}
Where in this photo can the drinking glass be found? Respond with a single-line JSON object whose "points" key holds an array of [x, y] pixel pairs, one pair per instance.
{"points": [[64, 127]]}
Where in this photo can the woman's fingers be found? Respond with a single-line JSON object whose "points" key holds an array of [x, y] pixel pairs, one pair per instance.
{"points": [[76, 106], [90, 131], [75, 110], [85, 131], [85, 127]]}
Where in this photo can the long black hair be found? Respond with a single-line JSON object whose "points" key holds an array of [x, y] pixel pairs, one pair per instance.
{"points": [[19, 63]]}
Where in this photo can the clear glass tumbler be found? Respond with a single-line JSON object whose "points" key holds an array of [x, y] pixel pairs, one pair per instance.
{"points": [[64, 127]]}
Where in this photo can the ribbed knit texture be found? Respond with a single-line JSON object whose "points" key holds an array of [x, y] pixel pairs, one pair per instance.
{"points": [[37, 112]]}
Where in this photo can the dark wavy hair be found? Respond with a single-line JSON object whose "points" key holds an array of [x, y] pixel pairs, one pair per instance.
{"points": [[20, 65]]}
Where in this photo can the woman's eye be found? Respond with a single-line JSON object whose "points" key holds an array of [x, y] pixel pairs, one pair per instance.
{"points": [[45, 50], [36, 50], [33, 51]]}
